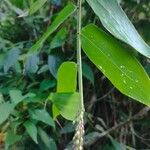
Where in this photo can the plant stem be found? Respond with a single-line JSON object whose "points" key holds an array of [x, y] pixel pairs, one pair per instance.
{"points": [[78, 137], [79, 57]]}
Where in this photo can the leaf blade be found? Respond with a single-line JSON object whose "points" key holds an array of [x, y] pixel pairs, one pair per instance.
{"points": [[62, 16], [67, 77], [42, 115], [116, 63], [31, 130], [36, 6], [68, 104], [5, 111], [117, 23]]}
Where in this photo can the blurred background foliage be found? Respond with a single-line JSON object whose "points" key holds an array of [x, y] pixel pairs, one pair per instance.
{"points": [[34, 79]]}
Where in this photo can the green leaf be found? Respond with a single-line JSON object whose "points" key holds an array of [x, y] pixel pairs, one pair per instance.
{"points": [[31, 65], [1, 98], [42, 115], [5, 111], [67, 77], [147, 68], [117, 63], [68, 104], [31, 130], [62, 16], [49, 143], [17, 3], [120, 146], [59, 39], [12, 7], [108, 147], [17, 68], [69, 127], [54, 61], [47, 84], [2, 59], [55, 112], [36, 6], [117, 23], [11, 58], [117, 145], [16, 96], [87, 72], [11, 138], [66, 82]]}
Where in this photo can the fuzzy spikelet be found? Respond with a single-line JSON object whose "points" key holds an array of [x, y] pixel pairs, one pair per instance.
{"points": [[79, 133]]}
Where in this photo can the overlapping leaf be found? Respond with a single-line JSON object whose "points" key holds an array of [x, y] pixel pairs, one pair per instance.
{"points": [[68, 104], [66, 101], [116, 22]]}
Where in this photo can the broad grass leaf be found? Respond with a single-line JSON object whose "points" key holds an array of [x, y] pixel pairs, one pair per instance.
{"points": [[117, 63], [117, 23]]}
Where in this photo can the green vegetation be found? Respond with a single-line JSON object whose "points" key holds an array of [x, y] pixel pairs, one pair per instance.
{"points": [[74, 74]]}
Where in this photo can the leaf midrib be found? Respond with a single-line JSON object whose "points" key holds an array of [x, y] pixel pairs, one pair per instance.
{"points": [[112, 61]]}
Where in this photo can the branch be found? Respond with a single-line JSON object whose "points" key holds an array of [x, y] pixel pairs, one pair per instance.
{"points": [[97, 136]]}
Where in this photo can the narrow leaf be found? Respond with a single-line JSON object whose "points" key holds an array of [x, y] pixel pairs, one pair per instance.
{"points": [[36, 6], [117, 23], [62, 16], [17, 10], [117, 63]]}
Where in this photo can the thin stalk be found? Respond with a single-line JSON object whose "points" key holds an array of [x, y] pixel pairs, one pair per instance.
{"points": [[79, 57], [78, 137]]}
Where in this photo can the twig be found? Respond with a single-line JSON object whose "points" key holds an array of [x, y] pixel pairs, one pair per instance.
{"points": [[104, 96], [140, 114]]}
